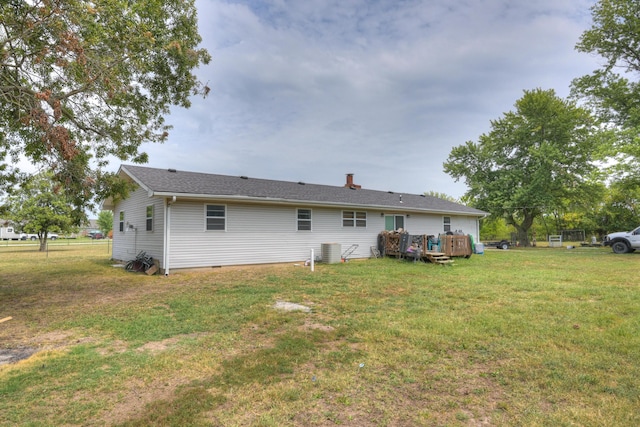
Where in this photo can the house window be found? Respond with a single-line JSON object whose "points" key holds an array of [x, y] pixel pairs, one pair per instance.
{"points": [[447, 223], [121, 228], [393, 222], [150, 218], [215, 217], [304, 219], [354, 219]]}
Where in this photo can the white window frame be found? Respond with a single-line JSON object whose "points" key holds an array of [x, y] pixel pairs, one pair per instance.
{"points": [[350, 219], [121, 217], [206, 217], [300, 221]]}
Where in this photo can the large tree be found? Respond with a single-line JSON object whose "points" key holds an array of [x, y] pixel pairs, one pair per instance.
{"points": [[613, 91], [41, 207], [534, 159], [85, 81]]}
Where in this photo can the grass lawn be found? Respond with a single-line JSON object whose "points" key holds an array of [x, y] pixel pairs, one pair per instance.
{"points": [[536, 337]]}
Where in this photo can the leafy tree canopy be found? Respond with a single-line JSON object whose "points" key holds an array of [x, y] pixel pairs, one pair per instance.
{"points": [[105, 222], [84, 81], [442, 196], [621, 208], [614, 91], [41, 207], [536, 157]]}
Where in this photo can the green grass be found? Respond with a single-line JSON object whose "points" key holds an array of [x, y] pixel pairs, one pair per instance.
{"points": [[519, 337]]}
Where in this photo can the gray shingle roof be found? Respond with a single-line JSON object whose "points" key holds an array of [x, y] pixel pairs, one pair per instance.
{"points": [[163, 182]]}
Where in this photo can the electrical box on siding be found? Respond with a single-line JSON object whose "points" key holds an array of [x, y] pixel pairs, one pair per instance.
{"points": [[331, 253]]}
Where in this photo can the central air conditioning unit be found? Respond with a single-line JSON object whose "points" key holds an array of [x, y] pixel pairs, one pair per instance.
{"points": [[331, 253]]}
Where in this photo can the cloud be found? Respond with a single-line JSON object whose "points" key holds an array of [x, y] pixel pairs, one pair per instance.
{"points": [[384, 89]]}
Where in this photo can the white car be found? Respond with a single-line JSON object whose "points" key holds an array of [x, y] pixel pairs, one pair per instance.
{"points": [[25, 236], [623, 241]]}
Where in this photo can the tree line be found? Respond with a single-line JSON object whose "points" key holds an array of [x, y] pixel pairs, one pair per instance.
{"points": [[570, 163]]}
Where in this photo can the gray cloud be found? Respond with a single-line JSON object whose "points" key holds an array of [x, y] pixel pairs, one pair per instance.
{"points": [[311, 90]]}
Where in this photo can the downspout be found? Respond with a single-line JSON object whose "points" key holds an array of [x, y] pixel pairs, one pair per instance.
{"points": [[478, 225], [167, 233]]}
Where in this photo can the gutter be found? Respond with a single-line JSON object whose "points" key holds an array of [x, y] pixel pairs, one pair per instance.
{"points": [[297, 202]]}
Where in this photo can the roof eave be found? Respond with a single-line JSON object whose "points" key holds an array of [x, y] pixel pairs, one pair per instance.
{"points": [[297, 202], [135, 179], [108, 203]]}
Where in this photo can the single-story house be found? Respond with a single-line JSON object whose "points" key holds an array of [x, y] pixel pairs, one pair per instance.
{"points": [[190, 220]]}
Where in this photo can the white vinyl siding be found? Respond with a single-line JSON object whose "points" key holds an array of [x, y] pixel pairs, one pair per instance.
{"points": [[259, 234], [134, 238], [254, 233], [262, 234]]}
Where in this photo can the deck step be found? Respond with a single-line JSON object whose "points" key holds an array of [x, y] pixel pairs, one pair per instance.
{"points": [[438, 258]]}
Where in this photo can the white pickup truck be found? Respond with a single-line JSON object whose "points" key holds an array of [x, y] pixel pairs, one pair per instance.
{"points": [[25, 236], [623, 241]]}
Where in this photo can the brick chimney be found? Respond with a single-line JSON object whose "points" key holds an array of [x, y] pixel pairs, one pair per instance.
{"points": [[350, 183]]}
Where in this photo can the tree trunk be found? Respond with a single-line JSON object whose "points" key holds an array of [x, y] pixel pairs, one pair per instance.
{"points": [[523, 227], [43, 244], [523, 236]]}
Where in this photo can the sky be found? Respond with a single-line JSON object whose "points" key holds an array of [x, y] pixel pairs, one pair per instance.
{"points": [[310, 90]]}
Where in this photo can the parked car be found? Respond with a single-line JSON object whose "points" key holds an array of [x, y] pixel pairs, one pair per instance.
{"points": [[96, 235], [26, 236], [623, 241]]}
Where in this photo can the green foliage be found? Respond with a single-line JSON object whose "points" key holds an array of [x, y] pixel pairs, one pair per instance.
{"points": [[85, 81], [494, 228], [621, 208], [535, 159], [105, 221], [442, 196], [613, 91], [41, 206]]}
